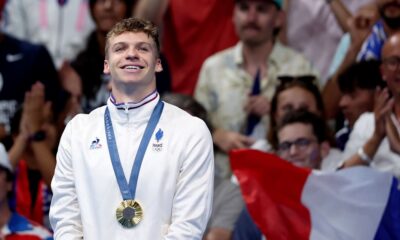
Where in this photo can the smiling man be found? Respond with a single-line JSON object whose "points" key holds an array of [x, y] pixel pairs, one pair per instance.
{"points": [[137, 167]]}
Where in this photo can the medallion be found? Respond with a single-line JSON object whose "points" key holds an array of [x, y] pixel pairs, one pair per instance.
{"points": [[129, 213]]}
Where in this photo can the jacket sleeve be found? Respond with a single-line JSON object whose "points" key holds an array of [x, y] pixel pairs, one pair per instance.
{"points": [[192, 203], [65, 217]]}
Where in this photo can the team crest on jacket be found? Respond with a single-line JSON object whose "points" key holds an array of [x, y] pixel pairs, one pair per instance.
{"points": [[95, 144], [157, 145]]}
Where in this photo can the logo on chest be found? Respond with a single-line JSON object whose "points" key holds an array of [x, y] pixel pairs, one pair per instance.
{"points": [[157, 144], [95, 144]]}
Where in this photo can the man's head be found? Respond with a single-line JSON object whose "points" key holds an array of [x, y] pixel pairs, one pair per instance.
{"points": [[390, 12], [132, 56], [357, 85], [257, 21], [293, 93], [106, 13], [302, 139], [390, 64]]}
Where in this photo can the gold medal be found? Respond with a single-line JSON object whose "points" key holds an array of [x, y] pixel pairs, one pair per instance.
{"points": [[129, 213]]}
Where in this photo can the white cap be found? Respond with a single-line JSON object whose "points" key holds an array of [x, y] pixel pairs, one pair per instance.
{"points": [[4, 161]]}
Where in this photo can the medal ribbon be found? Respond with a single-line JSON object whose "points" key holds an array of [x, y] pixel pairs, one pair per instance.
{"points": [[128, 191]]}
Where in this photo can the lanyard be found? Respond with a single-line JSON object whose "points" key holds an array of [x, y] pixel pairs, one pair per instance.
{"points": [[128, 191]]}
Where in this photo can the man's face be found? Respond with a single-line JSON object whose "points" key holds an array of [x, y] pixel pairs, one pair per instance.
{"points": [[356, 103], [390, 64], [299, 145], [107, 13], [132, 59], [295, 98], [256, 20], [390, 12]]}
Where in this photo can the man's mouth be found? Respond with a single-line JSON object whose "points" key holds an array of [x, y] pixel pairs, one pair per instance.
{"points": [[133, 67]]}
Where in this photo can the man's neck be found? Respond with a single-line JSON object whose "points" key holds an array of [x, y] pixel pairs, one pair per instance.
{"points": [[255, 57], [131, 95]]}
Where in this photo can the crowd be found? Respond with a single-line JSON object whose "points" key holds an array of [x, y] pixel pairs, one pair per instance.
{"points": [[314, 82]]}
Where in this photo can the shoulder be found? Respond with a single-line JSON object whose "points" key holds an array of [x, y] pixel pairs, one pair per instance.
{"points": [[224, 57]]}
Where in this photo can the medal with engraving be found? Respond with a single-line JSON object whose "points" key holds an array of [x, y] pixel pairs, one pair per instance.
{"points": [[129, 213]]}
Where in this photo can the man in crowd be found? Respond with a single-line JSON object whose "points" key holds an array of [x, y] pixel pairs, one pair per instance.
{"points": [[236, 85], [302, 140]]}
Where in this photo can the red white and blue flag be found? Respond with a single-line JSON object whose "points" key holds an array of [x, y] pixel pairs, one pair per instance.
{"points": [[289, 202]]}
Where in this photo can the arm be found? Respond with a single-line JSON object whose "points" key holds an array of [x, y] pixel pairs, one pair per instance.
{"points": [[341, 13], [194, 191], [358, 33], [153, 10], [383, 107], [64, 213], [35, 117]]}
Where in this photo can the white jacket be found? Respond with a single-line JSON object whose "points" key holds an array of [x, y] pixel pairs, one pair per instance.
{"points": [[175, 183]]}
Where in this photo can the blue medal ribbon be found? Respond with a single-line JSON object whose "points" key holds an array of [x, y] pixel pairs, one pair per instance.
{"points": [[129, 191]]}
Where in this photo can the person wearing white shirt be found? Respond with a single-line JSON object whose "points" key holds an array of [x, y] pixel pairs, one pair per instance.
{"points": [[137, 167]]}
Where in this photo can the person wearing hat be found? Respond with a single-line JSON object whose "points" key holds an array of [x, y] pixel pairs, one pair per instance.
{"points": [[236, 85], [13, 225]]}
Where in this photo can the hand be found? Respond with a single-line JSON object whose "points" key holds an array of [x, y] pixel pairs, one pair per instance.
{"points": [[258, 105], [35, 110], [229, 140], [392, 135], [360, 25], [382, 108]]}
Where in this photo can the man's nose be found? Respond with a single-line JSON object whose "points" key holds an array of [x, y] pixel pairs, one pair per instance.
{"points": [[344, 101], [132, 53], [293, 150]]}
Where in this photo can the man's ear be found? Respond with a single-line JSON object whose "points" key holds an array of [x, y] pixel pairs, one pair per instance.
{"points": [[324, 149], [106, 69], [159, 67]]}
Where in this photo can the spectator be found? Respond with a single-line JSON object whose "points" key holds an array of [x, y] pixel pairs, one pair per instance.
{"points": [[32, 156], [13, 225], [62, 26], [371, 140], [302, 140], [227, 78], [365, 44], [357, 86]]}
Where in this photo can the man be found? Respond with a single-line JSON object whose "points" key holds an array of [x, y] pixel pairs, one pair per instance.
{"points": [[88, 64], [371, 141], [13, 225], [228, 77], [366, 43], [171, 197], [302, 141], [357, 86]]}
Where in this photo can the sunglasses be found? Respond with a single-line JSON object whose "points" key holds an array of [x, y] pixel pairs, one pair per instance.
{"points": [[303, 78]]}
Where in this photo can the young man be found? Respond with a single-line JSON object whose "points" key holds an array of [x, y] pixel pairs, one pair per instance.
{"points": [[236, 84], [357, 86], [13, 225], [303, 141], [169, 193]]}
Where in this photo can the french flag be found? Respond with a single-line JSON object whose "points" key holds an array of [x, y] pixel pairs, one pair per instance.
{"points": [[289, 202]]}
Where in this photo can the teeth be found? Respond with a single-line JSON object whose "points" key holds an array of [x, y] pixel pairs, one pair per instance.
{"points": [[132, 67]]}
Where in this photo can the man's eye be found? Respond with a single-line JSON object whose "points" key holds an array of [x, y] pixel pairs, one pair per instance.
{"points": [[143, 49]]}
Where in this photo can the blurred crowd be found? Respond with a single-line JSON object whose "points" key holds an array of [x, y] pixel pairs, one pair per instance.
{"points": [[316, 82]]}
